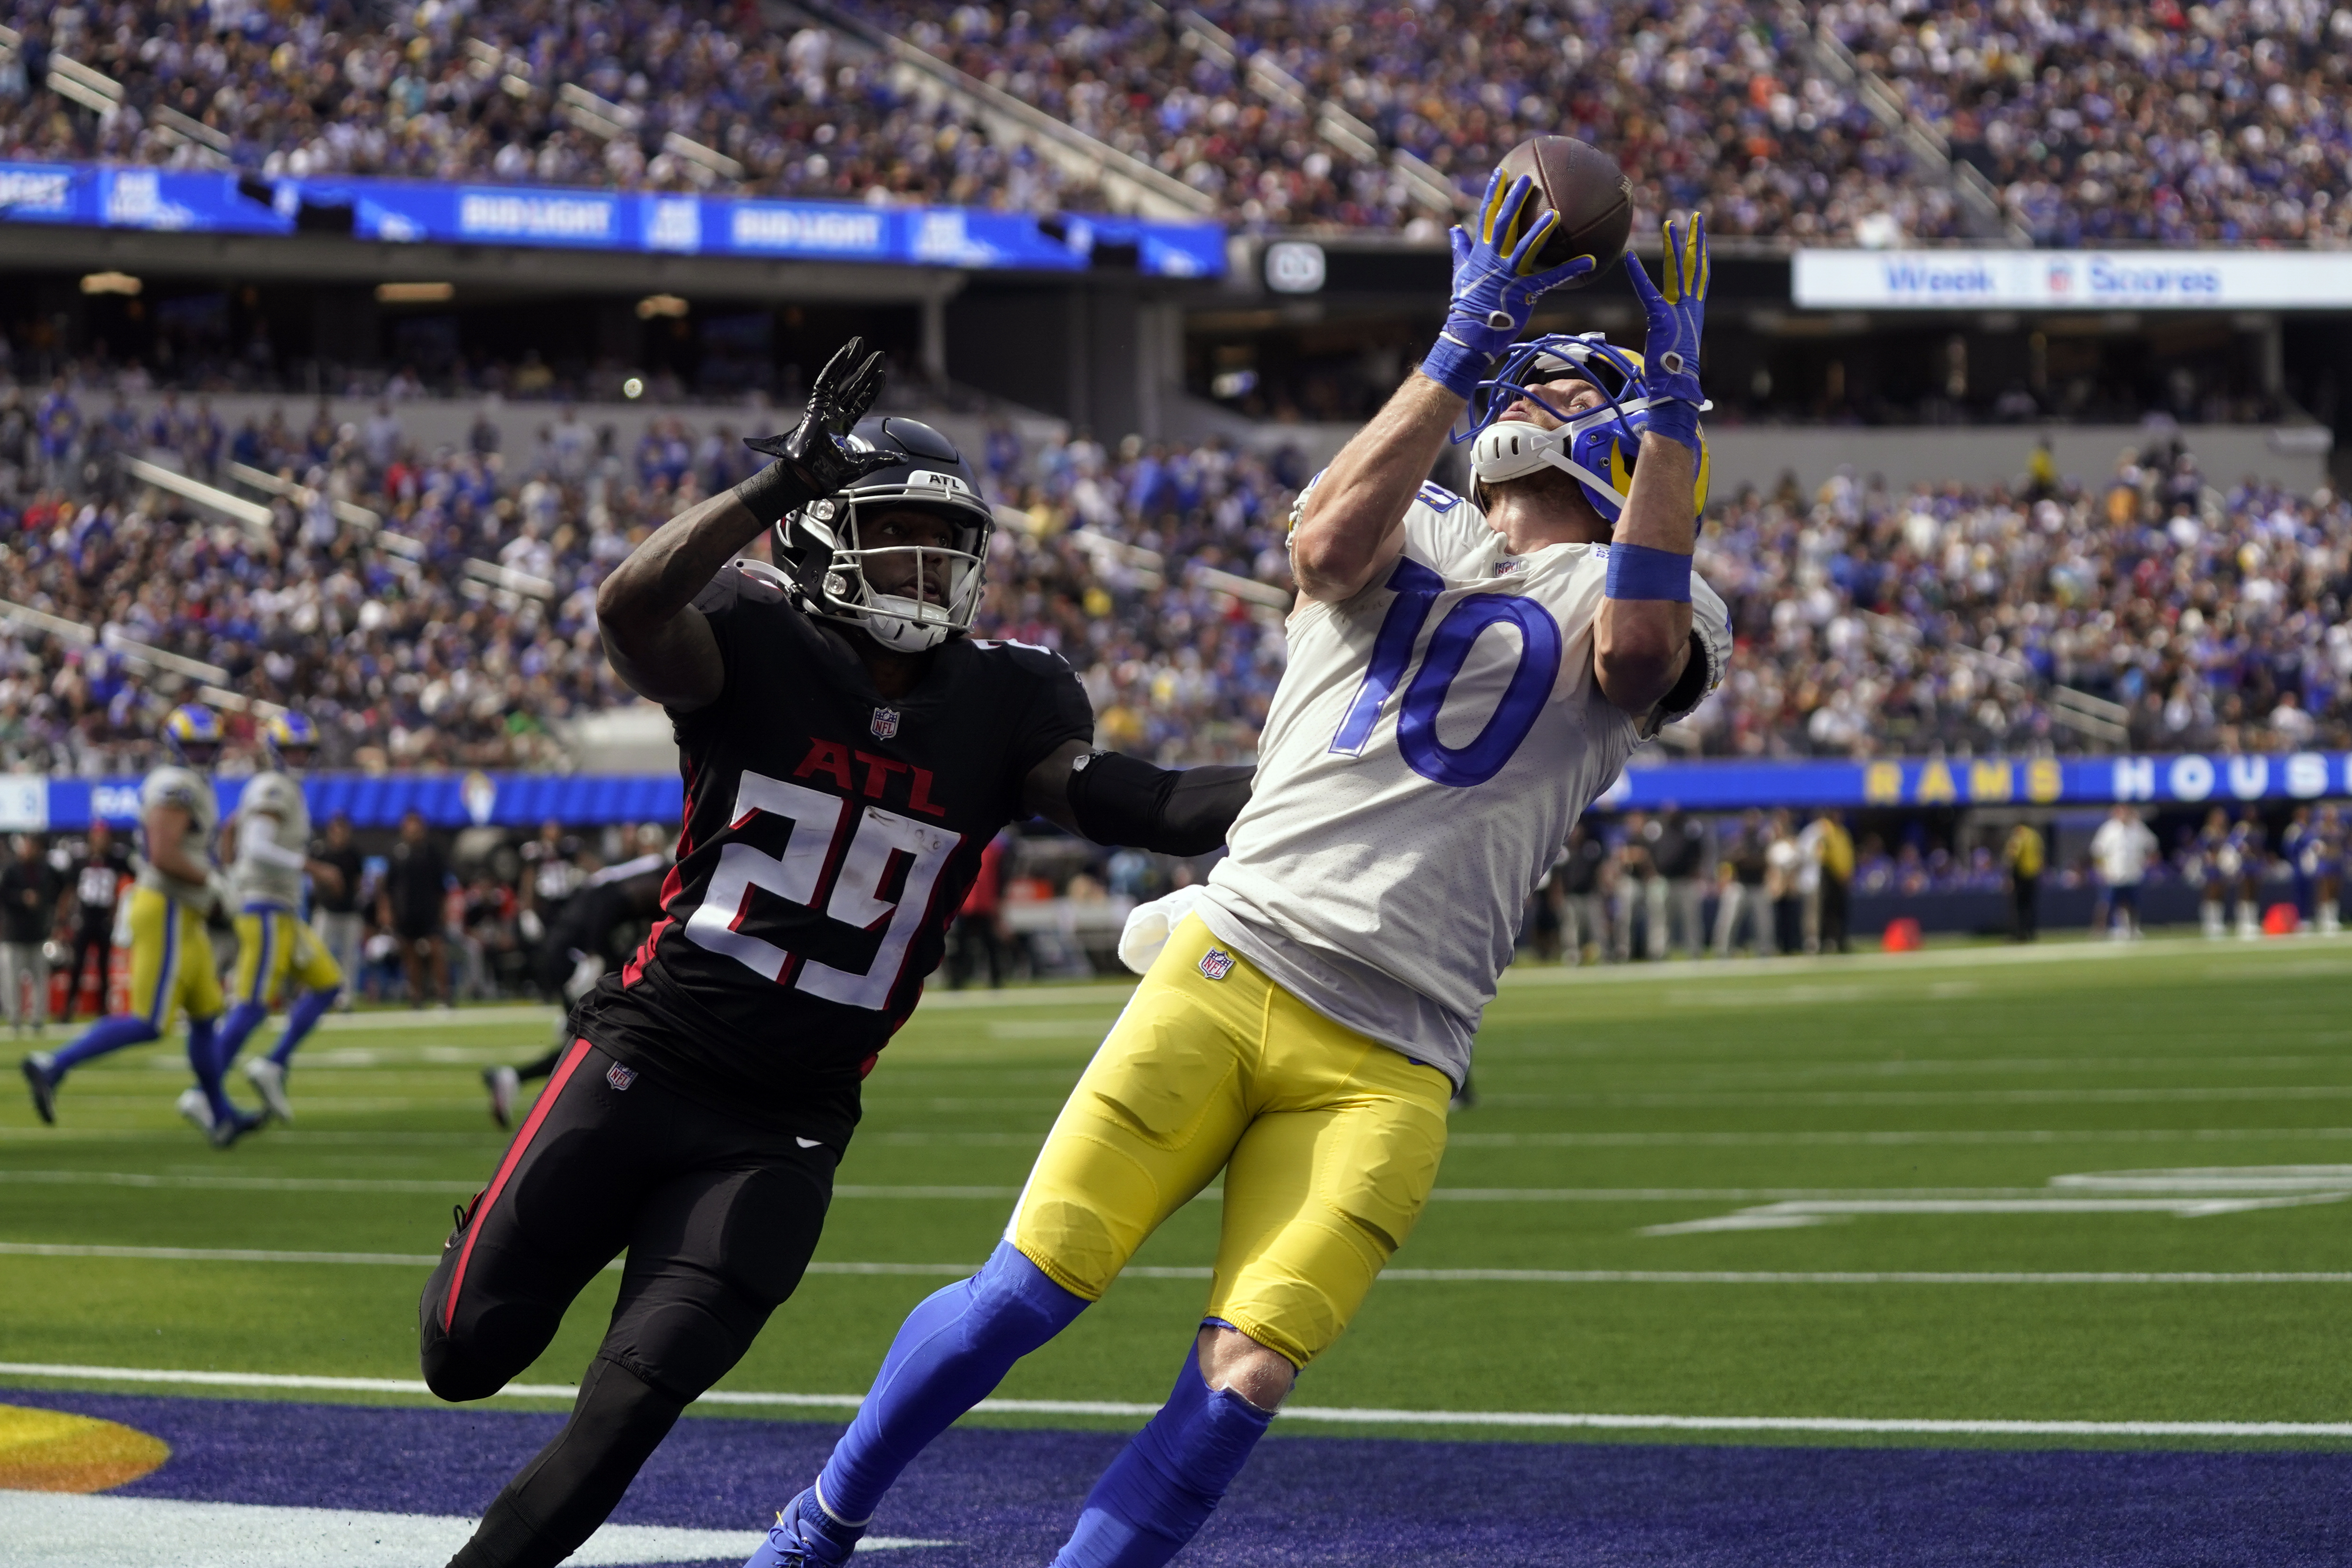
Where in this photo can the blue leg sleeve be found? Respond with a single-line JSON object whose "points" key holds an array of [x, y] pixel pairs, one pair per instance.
{"points": [[106, 1034], [949, 1354], [300, 1019], [1164, 1485], [205, 1059], [242, 1019]]}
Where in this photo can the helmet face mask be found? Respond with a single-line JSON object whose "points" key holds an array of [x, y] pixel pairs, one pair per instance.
{"points": [[908, 597], [1596, 448]]}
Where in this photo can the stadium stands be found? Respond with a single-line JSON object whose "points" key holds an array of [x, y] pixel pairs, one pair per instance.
{"points": [[635, 94], [2111, 125], [1293, 114], [2150, 611], [2214, 124]]}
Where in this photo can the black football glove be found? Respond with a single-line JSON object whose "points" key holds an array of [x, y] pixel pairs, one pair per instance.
{"points": [[811, 459]]}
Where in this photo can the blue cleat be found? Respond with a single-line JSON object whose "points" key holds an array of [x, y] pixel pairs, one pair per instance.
{"points": [[40, 1076], [225, 1131], [807, 1536]]}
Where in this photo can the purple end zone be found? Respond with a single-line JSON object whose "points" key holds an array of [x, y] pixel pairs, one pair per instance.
{"points": [[1011, 1496]]}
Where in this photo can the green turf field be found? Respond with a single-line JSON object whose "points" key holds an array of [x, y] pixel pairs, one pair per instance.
{"points": [[1964, 1112]]}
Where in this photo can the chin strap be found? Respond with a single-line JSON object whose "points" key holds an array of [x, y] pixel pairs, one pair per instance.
{"points": [[1547, 449]]}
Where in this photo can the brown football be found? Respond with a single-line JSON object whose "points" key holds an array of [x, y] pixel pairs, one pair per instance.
{"points": [[1590, 193]]}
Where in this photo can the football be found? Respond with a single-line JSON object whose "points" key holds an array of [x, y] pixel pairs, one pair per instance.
{"points": [[1590, 193]]}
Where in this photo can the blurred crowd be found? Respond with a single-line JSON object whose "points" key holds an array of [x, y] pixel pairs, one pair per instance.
{"points": [[435, 609], [1961, 619], [2221, 123], [1715, 105], [637, 94], [2214, 124]]}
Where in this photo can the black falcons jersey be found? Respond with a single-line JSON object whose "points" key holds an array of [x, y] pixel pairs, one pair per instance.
{"points": [[830, 838]]}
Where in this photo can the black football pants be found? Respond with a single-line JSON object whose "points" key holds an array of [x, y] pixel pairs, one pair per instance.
{"points": [[718, 1218]]}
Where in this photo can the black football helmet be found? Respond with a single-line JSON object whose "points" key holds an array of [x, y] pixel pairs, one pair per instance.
{"points": [[820, 551]]}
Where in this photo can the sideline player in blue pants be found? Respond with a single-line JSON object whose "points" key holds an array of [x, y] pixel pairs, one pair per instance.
{"points": [[170, 954]]}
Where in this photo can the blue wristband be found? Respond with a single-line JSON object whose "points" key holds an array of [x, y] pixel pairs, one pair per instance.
{"points": [[1456, 366], [1676, 421], [1638, 572]]}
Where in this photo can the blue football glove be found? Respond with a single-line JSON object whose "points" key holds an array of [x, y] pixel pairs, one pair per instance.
{"points": [[1495, 286], [1677, 316]]}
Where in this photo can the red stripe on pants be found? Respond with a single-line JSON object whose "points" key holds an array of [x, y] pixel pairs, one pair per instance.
{"points": [[507, 1168]]}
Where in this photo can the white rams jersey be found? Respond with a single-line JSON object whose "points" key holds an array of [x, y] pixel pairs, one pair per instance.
{"points": [[192, 792], [270, 855], [1432, 742]]}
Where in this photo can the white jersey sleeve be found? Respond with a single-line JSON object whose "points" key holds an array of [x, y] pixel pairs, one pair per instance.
{"points": [[1440, 527], [273, 830]]}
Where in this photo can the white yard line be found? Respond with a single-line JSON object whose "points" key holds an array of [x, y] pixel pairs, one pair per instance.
{"points": [[1878, 965], [1399, 1276], [50, 1530], [1521, 1418], [1860, 1139], [421, 1018], [489, 1138], [237, 1183], [1772, 1099], [2194, 1187]]}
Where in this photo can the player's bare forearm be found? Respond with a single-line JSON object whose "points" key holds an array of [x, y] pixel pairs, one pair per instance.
{"points": [[1640, 646], [167, 845], [1353, 523], [657, 641]]}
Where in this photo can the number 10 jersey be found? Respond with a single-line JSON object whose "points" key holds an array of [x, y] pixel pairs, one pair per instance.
{"points": [[1432, 742], [830, 838]]}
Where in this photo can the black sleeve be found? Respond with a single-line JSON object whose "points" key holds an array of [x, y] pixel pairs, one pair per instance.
{"points": [[1118, 799], [1056, 713], [732, 602], [1698, 678]]}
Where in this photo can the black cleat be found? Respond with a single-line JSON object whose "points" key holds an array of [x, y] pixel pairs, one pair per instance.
{"points": [[40, 1069]]}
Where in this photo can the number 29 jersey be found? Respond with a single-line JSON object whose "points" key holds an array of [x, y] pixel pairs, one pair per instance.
{"points": [[1432, 742], [830, 835]]}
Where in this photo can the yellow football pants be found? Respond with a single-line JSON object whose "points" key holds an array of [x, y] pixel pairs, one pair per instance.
{"points": [[170, 961], [1329, 1143], [272, 944]]}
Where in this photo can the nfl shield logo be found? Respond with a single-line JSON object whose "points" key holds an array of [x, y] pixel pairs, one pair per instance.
{"points": [[619, 1077], [885, 724], [1216, 963]]}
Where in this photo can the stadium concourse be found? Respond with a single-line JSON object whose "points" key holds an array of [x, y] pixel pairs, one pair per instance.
{"points": [[2221, 123]]}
